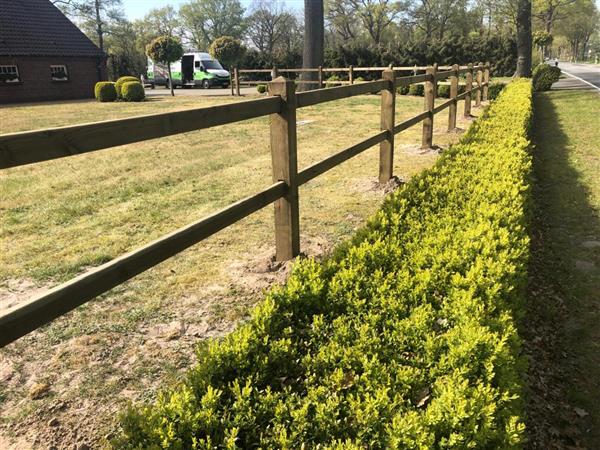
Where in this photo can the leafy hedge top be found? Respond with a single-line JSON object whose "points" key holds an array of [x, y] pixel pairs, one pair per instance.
{"points": [[544, 76], [405, 338]]}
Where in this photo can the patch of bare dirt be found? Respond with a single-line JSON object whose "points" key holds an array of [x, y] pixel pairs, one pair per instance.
{"points": [[14, 292], [67, 395]]}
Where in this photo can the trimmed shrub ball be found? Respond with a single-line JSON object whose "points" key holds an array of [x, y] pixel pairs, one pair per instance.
{"points": [[417, 89], [443, 91], [544, 75], [261, 88], [123, 80], [105, 91], [133, 91], [403, 90]]}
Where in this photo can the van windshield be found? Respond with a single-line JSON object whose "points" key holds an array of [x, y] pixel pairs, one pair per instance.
{"points": [[212, 64]]}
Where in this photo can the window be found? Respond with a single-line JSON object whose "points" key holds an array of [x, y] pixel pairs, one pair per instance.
{"points": [[197, 64], [59, 73], [9, 74], [212, 64]]}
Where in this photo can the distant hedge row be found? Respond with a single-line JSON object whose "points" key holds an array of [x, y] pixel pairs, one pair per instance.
{"points": [[405, 338]]}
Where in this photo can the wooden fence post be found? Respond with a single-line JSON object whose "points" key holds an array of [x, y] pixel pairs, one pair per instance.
{"points": [[274, 73], [453, 94], [430, 85], [320, 77], [285, 168], [351, 74], [486, 81], [388, 113], [231, 83], [468, 87], [237, 81], [479, 83]]}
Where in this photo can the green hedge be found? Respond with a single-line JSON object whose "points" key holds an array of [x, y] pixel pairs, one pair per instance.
{"points": [[405, 338], [105, 91], [416, 89], [261, 88], [494, 90], [121, 81], [544, 76], [132, 91]]}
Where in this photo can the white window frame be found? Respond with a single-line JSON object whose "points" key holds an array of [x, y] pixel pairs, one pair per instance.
{"points": [[61, 66], [4, 70]]}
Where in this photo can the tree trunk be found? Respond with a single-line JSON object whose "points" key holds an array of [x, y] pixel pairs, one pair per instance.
{"points": [[313, 41], [99, 29], [524, 46], [171, 80]]}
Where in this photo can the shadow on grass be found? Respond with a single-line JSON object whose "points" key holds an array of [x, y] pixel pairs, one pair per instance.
{"points": [[562, 325]]}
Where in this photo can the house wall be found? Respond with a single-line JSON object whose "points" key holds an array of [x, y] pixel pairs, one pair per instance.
{"points": [[36, 83]]}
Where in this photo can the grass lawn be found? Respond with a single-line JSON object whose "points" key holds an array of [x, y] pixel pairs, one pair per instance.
{"points": [[562, 327], [62, 217]]}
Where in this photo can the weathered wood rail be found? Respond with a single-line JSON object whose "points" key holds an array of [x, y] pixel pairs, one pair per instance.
{"points": [[18, 149]]}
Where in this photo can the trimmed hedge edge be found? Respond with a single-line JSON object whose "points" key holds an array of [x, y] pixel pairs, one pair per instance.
{"points": [[404, 338]]}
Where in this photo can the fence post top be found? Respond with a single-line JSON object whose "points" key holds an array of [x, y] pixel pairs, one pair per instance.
{"points": [[470, 65]]}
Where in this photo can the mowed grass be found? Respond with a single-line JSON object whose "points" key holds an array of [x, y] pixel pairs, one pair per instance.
{"points": [[566, 257], [62, 217]]}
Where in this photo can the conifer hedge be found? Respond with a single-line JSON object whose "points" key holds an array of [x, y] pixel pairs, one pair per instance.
{"points": [[405, 338]]}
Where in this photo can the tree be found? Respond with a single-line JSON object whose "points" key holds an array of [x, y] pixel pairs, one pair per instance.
{"points": [[524, 39], [206, 20], [162, 21], [542, 39], [166, 50], [580, 22], [94, 15], [313, 39], [549, 11], [267, 25], [227, 50], [376, 15]]}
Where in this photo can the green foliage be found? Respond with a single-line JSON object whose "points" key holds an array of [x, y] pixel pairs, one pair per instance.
{"points": [[417, 89], [261, 88], [542, 38], [121, 81], [105, 91], [443, 91], [494, 90], [133, 91], [403, 90], [405, 338], [544, 75], [165, 49], [333, 81], [359, 79], [227, 50]]}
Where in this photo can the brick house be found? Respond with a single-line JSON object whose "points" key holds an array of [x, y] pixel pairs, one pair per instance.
{"points": [[44, 56]]}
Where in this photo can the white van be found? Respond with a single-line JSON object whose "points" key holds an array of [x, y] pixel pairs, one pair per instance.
{"points": [[194, 69]]}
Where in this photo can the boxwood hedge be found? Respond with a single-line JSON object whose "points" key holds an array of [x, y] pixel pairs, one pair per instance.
{"points": [[404, 338]]}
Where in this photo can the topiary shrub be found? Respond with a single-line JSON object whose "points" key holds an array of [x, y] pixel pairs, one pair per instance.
{"points": [[105, 91], [261, 88], [359, 80], [123, 80], [417, 89], [494, 90], [133, 91], [443, 91], [544, 75], [405, 338], [403, 90]]}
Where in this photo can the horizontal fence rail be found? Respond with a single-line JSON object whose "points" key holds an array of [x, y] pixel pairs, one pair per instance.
{"points": [[29, 147]]}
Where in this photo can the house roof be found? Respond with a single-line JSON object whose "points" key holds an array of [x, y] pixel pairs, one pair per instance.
{"points": [[38, 28]]}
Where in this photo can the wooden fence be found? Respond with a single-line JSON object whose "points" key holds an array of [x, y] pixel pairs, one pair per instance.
{"points": [[29, 147], [350, 72]]}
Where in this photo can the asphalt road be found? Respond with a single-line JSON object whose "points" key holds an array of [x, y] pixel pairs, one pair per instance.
{"points": [[586, 73]]}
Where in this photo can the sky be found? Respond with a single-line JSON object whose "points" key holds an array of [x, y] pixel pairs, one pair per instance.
{"points": [[136, 9]]}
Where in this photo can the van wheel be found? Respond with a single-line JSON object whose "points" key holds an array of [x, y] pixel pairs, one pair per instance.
{"points": [[206, 84]]}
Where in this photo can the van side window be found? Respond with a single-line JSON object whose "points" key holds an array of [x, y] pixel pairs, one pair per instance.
{"points": [[197, 64]]}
